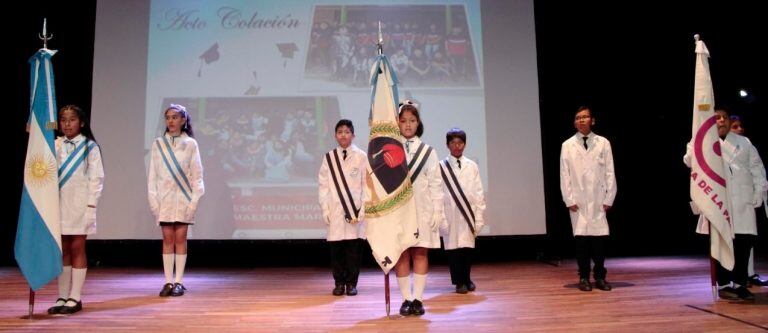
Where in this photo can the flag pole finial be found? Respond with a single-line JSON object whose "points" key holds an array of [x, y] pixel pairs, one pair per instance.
{"points": [[696, 37], [380, 41], [44, 36]]}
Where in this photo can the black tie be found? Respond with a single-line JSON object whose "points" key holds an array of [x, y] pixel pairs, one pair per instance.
{"points": [[408, 146], [458, 162], [585, 142], [344, 153]]}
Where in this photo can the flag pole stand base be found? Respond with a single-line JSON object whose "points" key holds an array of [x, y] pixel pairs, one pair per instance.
{"points": [[714, 293]]}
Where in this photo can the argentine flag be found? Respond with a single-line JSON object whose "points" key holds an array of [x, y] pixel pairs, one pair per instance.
{"points": [[38, 236]]}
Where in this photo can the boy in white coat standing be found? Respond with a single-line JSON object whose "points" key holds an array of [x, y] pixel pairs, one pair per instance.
{"points": [[341, 181], [588, 185], [464, 200]]}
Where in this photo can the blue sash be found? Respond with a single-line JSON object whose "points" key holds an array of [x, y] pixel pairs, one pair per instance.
{"points": [[74, 161], [169, 153]]}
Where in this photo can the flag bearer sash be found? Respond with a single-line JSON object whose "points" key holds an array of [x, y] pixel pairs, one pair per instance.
{"points": [[457, 193], [418, 161], [175, 170], [339, 180], [75, 159]]}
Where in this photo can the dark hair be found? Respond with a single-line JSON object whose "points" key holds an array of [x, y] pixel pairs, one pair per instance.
{"points": [[455, 133], [735, 118], [85, 128], [723, 108], [584, 107], [345, 122], [184, 114], [409, 106]]}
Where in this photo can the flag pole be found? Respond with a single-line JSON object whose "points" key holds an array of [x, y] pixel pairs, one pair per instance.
{"points": [[712, 277], [31, 302], [380, 51]]}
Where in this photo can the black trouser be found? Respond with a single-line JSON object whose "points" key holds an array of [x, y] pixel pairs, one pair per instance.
{"points": [[461, 265], [742, 244], [345, 261], [591, 248]]}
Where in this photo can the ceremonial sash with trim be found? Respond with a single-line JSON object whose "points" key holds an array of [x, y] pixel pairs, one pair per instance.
{"points": [[457, 193], [420, 159], [337, 174], [74, 160], [177, 173]]}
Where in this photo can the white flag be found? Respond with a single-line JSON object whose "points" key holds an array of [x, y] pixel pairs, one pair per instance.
{"points": [[708, 186]]}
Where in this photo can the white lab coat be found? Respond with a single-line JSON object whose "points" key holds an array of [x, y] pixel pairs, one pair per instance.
{"points": [[81, 190], [745, 181], [166, 200], [354, 168], [457, 234], [428, 193], [587, 179]]}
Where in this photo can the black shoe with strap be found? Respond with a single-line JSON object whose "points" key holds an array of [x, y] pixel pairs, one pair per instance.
{"points": [[178, 290], [167, 289], [57, 308], [72, 309], [405, 308], [417, 308], [471, 286]]}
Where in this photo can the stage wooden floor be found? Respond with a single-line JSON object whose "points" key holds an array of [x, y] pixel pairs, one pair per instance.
{"points": [[669, 294]]}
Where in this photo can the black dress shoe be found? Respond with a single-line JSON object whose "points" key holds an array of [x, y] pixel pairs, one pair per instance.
{"points": [[178, 289], [417, 308], [56, 308], [338, 290], [462, 289], [755, 280], [745, 294], [167, 289], [603, 285], [471, 286], [405, 309], [72, 309], [584, 285], [728, 293], [351, 290]]}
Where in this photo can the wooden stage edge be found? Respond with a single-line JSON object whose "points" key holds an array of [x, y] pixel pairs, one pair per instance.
{"points": [[650, 294]]}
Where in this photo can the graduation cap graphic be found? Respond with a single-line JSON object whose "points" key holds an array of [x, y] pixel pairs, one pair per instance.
{"points": [[286, 51], [210, 55]]}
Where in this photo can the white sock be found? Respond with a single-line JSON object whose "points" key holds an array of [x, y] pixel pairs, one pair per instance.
{"points": [[405, 287], [65, 282], [736, 285], [181, 260], [78, 279], [168, 267], [724, 286], [419, 283], [751, 264]]}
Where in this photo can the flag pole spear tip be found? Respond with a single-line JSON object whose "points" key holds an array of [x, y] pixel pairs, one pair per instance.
{"points": [[44, 36], [380, 41], [696, 37]]}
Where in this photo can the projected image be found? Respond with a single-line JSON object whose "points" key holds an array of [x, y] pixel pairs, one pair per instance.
{"points": [[267, 152], [428, 45]]}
